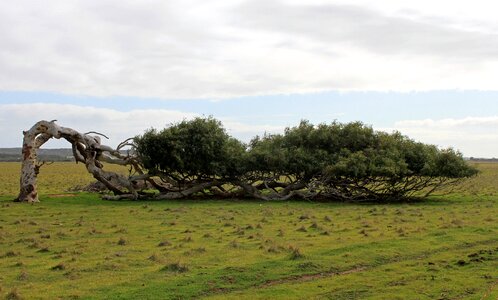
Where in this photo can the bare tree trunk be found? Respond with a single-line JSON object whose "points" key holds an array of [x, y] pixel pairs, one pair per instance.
{"points": [[86, 149], [33, 139]]}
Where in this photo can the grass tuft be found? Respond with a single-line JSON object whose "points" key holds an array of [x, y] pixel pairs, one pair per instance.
{"points": [[11, 253], [295, 253], [302, 229], [19, 264], [274, 249], [13, 295], [58, 267], [177, 267], [187, 239], [43, 249], [23, 276], [154, 257], [304, 217], [164, 244], [234, 244]]}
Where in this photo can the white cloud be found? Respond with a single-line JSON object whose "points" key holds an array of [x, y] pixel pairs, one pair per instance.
{"points": [[183, 49], [117, 125], [245, 132], [466, 123], [473, 136]]}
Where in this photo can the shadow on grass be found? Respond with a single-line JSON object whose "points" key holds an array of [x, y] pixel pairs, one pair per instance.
{"points": [[91, 199]]}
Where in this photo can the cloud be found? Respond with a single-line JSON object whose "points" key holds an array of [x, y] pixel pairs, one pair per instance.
{"points": [[474, 136], [117, 125], [245, 132], [467, 123], [218, 49], [370, 30]]}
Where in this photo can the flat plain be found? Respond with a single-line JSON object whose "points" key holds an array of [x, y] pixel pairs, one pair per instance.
{"points": [[74, 245]]}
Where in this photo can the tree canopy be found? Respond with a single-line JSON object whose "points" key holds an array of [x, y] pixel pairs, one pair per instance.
{"points": [[326, 161]]}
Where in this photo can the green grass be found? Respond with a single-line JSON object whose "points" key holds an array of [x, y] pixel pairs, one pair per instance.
{"points": [[83, 247]]}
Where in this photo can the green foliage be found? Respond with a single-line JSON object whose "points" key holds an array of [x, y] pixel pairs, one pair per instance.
{"points": [[357, 162], [199, 148], [345, 161]]}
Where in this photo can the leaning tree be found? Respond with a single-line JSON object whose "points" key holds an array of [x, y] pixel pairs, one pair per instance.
{"points": [[87, 149], [198, 158]]}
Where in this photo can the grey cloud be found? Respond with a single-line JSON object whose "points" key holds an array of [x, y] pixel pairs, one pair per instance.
{"points": [[102, 47], [192, 49], [367, 29]]}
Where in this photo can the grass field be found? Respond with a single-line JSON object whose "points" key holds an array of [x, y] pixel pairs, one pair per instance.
{"points": [[78, 246], [53, 179]]}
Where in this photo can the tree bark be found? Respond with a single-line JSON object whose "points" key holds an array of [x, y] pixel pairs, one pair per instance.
{"points": [[28, 188], [86, 149]]}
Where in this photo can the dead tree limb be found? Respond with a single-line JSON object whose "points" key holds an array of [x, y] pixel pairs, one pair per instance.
{"points": [[87, 149]]}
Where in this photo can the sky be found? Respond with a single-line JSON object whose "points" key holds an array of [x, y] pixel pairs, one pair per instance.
{"points": [[425, 68]]}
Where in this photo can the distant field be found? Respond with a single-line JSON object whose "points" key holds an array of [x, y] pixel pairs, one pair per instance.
{"points": [[82, 247]]}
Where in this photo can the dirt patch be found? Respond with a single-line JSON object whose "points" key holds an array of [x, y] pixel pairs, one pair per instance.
{"points": [[491, 288], [309, 277]]}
